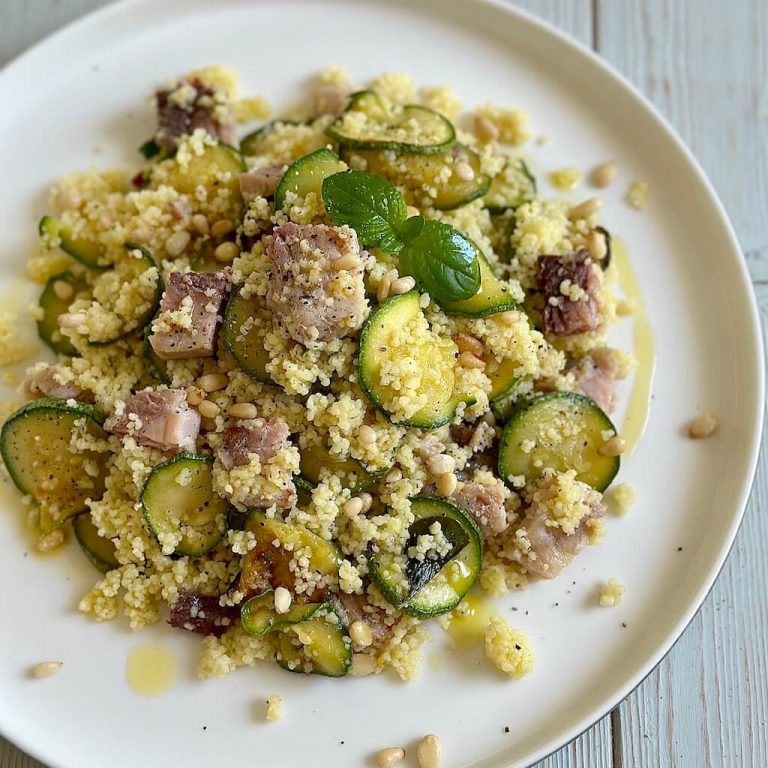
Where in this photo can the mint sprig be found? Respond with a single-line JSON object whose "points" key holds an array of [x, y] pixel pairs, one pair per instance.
{"points": [[442, 260]]}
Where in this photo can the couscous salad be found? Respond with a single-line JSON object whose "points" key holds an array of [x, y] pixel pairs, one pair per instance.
{"points": [[315, 384]]}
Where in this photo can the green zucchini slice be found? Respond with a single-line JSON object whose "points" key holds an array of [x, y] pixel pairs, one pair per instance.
{"points": [[218, 166], [268, 565], [381, 342], [258, 615], [53, 306], [306, 174], [435, 583], [243, 334], [504, 386], [418, 172], [35, 446], [511, 187], [88, 252], [251, 144], [318, 646], [370, 122], [181, 508], [561, 430], [99, 550], [492, 297], [316, 458]]}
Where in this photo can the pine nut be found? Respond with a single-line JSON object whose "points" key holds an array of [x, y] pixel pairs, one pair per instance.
{"points": [[347, 261], [485, 130], [442, 463], [703, 426], [200, 224], [510, 317], [596, 245], [603, 174], [464, 171], [467, 343], [382, 291], [177, 243], [446, 484], [50, 542], [411, 211], [613, 447], [428, 752], [194, 396], [366, 435], [141, 234], [390, 756], [208, 409], [226, 251], [360, 634], [213, 382], [282, 600], [63, 290], [72, 319], [243, 411], [489, 419], [353, 506], [46, 668], [395, 475], [402, 285], [367, 500], [470, 360], [362, 665], [586, 209], [221, 228]]}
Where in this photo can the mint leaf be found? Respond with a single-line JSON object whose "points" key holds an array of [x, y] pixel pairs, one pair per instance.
{"points": [[367, 203], [443, 261]]}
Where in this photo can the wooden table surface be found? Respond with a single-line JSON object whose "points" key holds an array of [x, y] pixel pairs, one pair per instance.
{"points": [[704, 63]]}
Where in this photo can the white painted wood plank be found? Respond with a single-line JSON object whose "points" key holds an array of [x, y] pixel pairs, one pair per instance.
{"points": [[707, 703]]}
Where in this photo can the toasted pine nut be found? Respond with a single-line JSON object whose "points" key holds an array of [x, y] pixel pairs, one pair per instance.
{"points": [[177, 243], [485, 130], [141, 234], [243, 411], [586, 209], [411, 210], [208, 409], [386, 758], [200, 224], [366, 435], [394, 475], [363, 664], [596, 245], [353, 506], [490, 419], [464, 171], [613, 447], [441, 463], [282, 600], [402, 285], [51, 541], [213, 382], [367, 500], [63, 289], [446, 484], [194, 396], [470, 360], [703, 426], [226, 251], [428, 752], [467, 343], [221, 228], [603, 174], [347, 261], [72, 319], [46, 668], [382, 291], [360, 633]]}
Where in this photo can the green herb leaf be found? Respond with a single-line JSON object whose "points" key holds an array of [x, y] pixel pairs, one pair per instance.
{"points": [[150, 149], [443, 261], [367, 203], [421, 572]]}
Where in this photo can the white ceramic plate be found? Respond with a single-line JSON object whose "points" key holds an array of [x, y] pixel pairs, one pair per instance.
{"points": [[79, 100]]}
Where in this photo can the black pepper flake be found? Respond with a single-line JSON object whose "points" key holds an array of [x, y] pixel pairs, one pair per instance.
{"points": [[624, 624], [506, 729], [679, 549], [517, 647]]}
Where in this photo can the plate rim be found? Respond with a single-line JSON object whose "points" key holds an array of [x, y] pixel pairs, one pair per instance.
{"points": [[560, 38]]}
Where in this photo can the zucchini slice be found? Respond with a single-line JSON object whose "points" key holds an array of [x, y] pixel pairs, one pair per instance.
{"points": [[99, 550], [371, 122], [492, 297], [511, 187], [158, 368], [251, 144], [318, 646], [268, 565], [418, 172], [438, 581], [218, 166], [258, 615], [243, 335], [181, 508], [381, 342], [565, 431], [504, 385], [316, 458], [88, 252], [130, 269], [53, 306], [306, 174], [35, 446]]}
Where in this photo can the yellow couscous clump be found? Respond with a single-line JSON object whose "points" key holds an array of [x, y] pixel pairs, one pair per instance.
{"points": [[509, 649], [611, 593]]}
